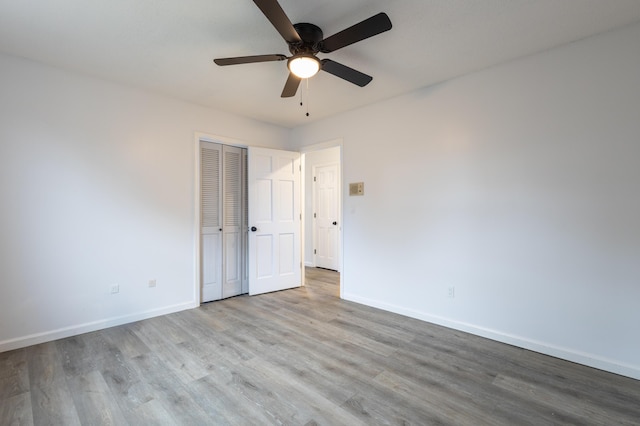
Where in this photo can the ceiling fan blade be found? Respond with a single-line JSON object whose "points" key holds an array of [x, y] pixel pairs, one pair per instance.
{"points": [[291, 86], [274, 13], [368, 28], [346, 73], [248, 59]]}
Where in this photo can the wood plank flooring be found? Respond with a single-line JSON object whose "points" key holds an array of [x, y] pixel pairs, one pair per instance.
{"points": [[301, 357]]}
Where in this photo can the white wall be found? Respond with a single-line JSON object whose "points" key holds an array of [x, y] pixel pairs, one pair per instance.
{"points": [[518, 186], [97, 188], [311, 159]]}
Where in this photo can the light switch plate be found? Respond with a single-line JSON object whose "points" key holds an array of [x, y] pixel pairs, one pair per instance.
{"points": [[356, 188]]}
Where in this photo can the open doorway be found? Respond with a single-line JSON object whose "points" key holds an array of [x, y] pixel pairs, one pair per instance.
{"points": [[323, 206]]}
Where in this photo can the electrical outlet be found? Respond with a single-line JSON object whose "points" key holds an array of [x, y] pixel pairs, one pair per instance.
{"points": [[452, 292], [115, 288], [152, 283]]}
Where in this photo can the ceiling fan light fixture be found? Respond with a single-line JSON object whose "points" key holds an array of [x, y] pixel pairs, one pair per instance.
{"points": [[304, 66]]}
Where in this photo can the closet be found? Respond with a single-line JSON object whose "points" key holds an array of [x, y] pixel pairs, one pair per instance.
{"points": [[223, 221]]}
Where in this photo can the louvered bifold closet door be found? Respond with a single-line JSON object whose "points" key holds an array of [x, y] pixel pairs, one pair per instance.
{"points": [[211, 220], [245, 224], [233, 231]]}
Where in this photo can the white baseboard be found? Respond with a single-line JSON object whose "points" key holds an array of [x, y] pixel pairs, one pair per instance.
{"points": [[61, 333], [612, 366], [309, 264]]}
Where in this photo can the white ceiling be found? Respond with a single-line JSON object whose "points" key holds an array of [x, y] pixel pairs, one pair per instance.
{"points": [[167, 46]]}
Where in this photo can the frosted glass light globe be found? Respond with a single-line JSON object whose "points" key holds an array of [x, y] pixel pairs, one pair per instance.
{"points": [[304, 66]]}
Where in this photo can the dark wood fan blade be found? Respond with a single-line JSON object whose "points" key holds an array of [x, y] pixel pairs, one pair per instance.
{"points": [[249, 59], [274, 13], [368, 28], [291, 86], [346, 73]]}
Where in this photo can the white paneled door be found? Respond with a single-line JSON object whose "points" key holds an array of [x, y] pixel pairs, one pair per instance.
{"points": [[326, 216], [274, 220]]}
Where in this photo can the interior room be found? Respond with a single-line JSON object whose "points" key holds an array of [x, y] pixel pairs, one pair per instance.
{"points": [[481, 190]]}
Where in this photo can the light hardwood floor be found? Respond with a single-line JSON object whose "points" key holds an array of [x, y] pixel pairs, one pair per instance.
{"points": [[301, 357]]}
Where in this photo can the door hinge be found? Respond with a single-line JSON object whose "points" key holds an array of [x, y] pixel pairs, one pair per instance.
{"points": [[314, 215], [314, 178], [314, 251]]}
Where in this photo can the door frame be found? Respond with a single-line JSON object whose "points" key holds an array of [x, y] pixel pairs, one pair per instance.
{"points": [[222, 140], [338, 142]]}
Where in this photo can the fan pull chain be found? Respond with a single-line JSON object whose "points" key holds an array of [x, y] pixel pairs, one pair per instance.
{"points": [[302, 95], [301, 103], [308, 97]]}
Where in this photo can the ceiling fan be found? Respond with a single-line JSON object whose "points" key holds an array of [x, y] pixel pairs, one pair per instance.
{"points": [[306, 40]]}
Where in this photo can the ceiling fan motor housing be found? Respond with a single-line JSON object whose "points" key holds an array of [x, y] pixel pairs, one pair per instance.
{"points": [[311, 36]]}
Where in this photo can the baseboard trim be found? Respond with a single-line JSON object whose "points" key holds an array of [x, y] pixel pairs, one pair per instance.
{"points": [[61, 333], [612, 366]]}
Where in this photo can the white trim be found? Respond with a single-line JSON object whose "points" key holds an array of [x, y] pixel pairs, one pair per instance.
{"points": [[208, 137], [303, 215], [61, 333], [583, 358], [197, 291], [322, 145]]}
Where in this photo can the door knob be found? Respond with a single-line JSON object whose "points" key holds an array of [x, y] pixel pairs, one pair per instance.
{"points": [[335, 223], [254, 229]]}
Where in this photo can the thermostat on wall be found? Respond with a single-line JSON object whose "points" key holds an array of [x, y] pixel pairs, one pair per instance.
{"points": [[356, 188]]}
